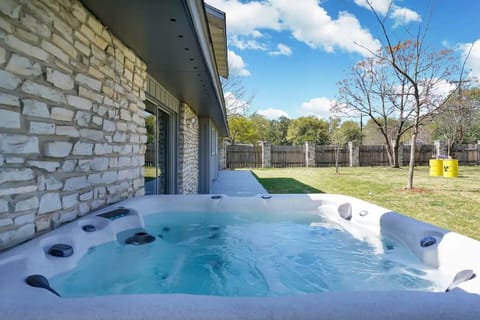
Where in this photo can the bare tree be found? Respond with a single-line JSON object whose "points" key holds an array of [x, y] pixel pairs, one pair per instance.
{"points": [[423, 70], [372, 90], [237, 98]]}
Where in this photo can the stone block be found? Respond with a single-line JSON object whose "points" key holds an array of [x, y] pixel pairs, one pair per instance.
{"points": [[50, 183], [35, 108], [8, 80], [69, 165], [94, 178], [49, 202], [86, 196], [59, 79], [26, 205], [83, 208], [69, 201], [15, 160], [9, 238], [97, 120], [10, 8], [67, 216], [50, 166], [87, 32], [84, 165], [42, 127], [98, 204], [89, 94], [125, 115], [20, 220], [119, 137], [19, 45], [82, 118], [57, 149], [6, 222], [79, 102], [23, 66], [18, 190], [43, 91], [9, 100], [15, 175], [63, 29], [64, 45], [90, 134], [18, 144], [108, 126], [109, 177], [3, 55], [75, 183], [34, 26], [88, 82], [83, 149], [9, 119], [42, 222], [82, 48], [79, 12], [3, 206], [54, 50], [100, 164], [62, 114], [67, 131]]}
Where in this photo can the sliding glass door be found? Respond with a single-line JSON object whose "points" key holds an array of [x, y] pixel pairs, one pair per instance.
{"points": [[158, 164]]}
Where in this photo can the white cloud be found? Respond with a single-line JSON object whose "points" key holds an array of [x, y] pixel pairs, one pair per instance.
{"points": [[272, 113], [400, 15], [317, 29], [473, 63], [319, 107], [234, 104], [248, 18], [243, 43], [237, 64], [381, 6], [403, 16], [282, 50]]}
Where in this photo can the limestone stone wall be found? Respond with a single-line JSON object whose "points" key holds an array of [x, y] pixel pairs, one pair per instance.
{"points": [[72, 133], [188, 166]]}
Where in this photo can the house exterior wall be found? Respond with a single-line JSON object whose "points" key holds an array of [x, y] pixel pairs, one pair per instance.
{"points": [[188, 164], [72, 133]]}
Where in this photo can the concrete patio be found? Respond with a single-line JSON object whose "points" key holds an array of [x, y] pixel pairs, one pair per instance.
{"points": [[237, 183]]}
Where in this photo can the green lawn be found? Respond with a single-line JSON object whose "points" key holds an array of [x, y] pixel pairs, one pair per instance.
{"points": [[451, 203]]}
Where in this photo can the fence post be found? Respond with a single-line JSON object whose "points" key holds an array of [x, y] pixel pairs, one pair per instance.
{"points": [[437, 145], [400, 154], [478, 152], [354, 154], [266, 154], [309, 154]]}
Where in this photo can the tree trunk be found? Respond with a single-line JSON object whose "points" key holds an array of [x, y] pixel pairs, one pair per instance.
{"points": [[411, 166], [396, 146], [390, 155], [337, 151]]}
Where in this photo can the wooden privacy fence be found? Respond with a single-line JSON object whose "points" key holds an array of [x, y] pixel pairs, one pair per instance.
{"points": [[244, 156], [272, 156], [287, 156], [325, 156]]}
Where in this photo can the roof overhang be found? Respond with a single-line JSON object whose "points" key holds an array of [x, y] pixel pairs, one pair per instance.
{"points": [[181, 43]]}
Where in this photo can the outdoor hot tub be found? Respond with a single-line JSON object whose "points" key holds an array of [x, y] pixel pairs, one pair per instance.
{"points": [[316, 256]]}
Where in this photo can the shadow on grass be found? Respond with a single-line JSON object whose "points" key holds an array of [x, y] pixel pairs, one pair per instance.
{"points": [[286, 185]]}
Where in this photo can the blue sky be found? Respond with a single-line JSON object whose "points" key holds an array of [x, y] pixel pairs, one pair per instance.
{"points": [[291, 53]]}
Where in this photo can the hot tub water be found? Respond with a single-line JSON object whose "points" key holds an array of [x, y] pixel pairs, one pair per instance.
{"points": [[244, 254]]}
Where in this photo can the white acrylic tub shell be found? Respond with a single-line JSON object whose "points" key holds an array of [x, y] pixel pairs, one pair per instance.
{"points": [[452, 253]]}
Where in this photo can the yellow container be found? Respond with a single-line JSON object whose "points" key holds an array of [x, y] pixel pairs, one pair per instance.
{"points": [[436, 168], [450, 168]]}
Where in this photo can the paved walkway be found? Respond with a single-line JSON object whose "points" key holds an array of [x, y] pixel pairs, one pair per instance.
{"points": [[237, 183]]}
